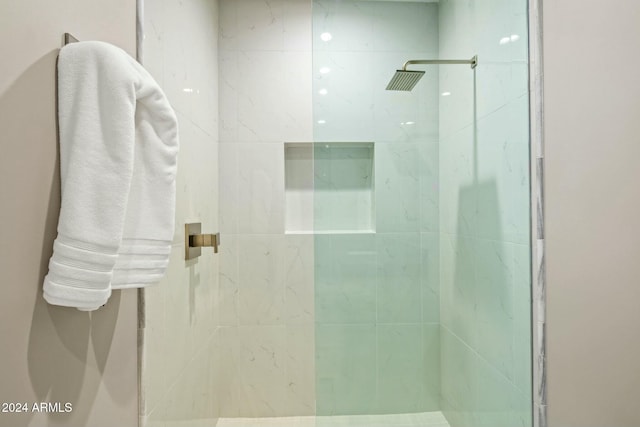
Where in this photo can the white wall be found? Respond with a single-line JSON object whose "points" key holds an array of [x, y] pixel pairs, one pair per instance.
{"points": [[592, 123], [51, 353], [180, 51]]}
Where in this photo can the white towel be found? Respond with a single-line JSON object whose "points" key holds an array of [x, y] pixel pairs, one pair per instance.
{"points": [[118, 161]]}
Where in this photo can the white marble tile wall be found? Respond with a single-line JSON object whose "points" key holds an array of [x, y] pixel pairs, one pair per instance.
{"points": [[180, 315], [266, 359], [536, 103], [266, 362]]}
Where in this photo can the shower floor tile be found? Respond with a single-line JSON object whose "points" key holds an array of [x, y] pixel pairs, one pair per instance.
{"points": [[425, 419]]}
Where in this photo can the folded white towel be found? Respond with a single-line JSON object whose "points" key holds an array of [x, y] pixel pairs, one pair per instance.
{"points": [[118, 160]]}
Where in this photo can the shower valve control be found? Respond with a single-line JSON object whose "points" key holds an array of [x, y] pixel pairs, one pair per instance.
{"points": [[194, 241]]}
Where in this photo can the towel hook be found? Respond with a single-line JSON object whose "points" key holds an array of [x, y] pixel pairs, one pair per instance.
{"points": [[68, 38]]}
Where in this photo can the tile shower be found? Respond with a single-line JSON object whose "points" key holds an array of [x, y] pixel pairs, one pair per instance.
{"points": [[374, 267]]}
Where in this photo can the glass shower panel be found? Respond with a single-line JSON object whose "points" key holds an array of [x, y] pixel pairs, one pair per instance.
{"points": [[375, 210], [485, 278], [424, 306]]}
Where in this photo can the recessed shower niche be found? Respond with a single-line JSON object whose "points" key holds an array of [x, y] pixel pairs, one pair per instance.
{"points": [[329, 187]]}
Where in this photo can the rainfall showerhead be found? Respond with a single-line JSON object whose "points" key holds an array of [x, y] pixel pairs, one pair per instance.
{"points": [[406, 80]]}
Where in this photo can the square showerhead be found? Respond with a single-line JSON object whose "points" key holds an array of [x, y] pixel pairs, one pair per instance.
{"points": [[404, 80]]}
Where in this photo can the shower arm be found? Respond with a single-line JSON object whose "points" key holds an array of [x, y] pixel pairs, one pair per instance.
{"points": [[473, 62]]}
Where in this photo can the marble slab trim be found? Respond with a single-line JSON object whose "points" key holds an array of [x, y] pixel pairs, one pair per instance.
{"points": [[537, 212]]}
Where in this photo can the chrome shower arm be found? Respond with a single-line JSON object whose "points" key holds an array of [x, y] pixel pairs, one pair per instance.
{"points": [[473, 62]]}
